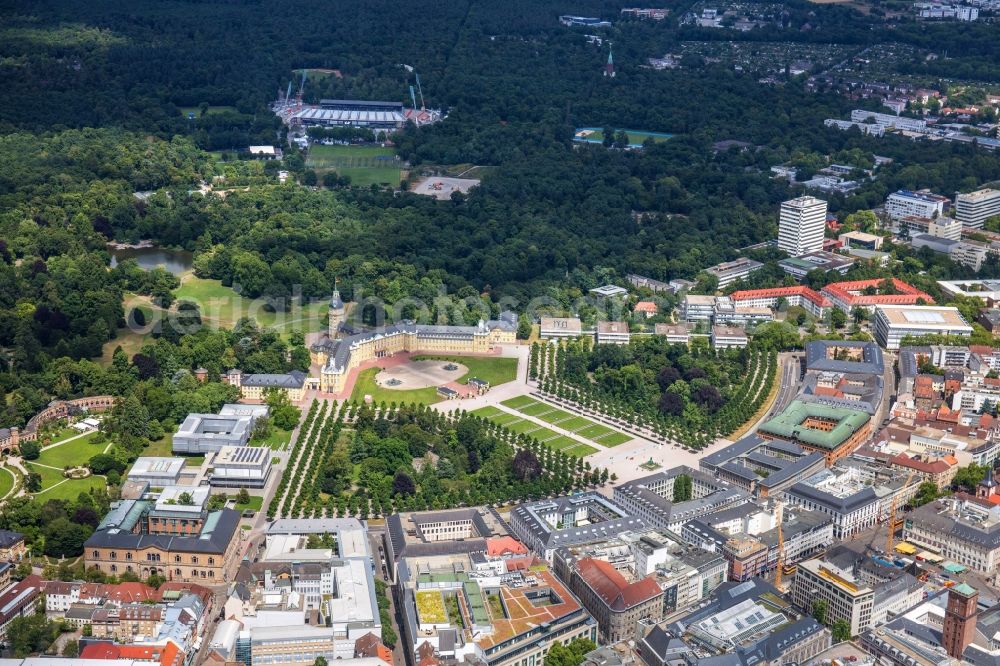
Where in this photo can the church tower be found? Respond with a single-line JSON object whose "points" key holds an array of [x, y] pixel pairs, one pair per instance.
{"points": [[609, 69], [988, 486], [337, 314], [960, 619]]}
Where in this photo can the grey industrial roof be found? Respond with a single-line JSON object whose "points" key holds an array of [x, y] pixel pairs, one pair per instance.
{"points": [[357, 102], [777, 643], [942, 523], [795, 522], [293, 379], [740, 470], [908, 366], [838, 504], [755, 449], [726, 596], [575, 535], [734, 450], [733, 512], [872, 363], [662, 644], [977, 656], [706, 531], [9, 538], [903, 583], [219, 530], [401, 548]]}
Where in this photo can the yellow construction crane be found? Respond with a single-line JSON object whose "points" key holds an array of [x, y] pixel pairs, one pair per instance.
{"points": [[781, 548], [894, 524]]}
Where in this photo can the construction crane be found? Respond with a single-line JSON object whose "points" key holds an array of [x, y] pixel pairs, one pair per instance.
{"points": [[894, 524], [420, 91], [781, 548]]}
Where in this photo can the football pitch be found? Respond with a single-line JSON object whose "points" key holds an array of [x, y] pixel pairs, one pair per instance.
{"points": [[636, 138], [365, 165]]}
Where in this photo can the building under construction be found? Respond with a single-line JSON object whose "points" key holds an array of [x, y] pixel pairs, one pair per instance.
{"points": [[374, 115]]}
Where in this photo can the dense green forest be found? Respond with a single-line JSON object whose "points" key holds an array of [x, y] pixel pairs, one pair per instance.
{"points": [[103, 101]]}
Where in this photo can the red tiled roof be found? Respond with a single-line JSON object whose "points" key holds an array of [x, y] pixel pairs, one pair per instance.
{"points": [[167, 654], [645, 306], [935, 467], [612, 587], [827, 390], [505, 545], [177, 586], [130, 592], [100, 651], [850, 292], [778, 292]]}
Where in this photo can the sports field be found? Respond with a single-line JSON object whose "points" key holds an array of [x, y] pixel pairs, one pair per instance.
{"points": [[578, 425], [365, 165], [549, 438], [635, 137]]}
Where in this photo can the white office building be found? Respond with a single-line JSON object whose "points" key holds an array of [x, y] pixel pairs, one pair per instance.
{"points": [[612, 333], [801, 224], [241, 467], [974, 208], [895, 322], [905, 203]]}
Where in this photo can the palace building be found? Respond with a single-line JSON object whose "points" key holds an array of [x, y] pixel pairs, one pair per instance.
{"points": [[337, 356]]}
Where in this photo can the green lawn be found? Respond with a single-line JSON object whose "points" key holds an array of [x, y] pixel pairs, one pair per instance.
{"points": [[613, 439], [366, 177], [161, 448], [562, 442], [74, 453], [130, 341], [365, 165], [580, 450], [277, 440], [490, 412], [57, 486], [254, 504], [538, 409], [223, 306], [548, 437], [61, 434], [519, 402], [576, 424], [7, 481], [348, 156], [365, 385], [494, 369]]}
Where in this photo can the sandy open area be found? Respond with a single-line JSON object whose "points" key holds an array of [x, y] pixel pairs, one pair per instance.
{"points": [[441, 187], [419, 374]]}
